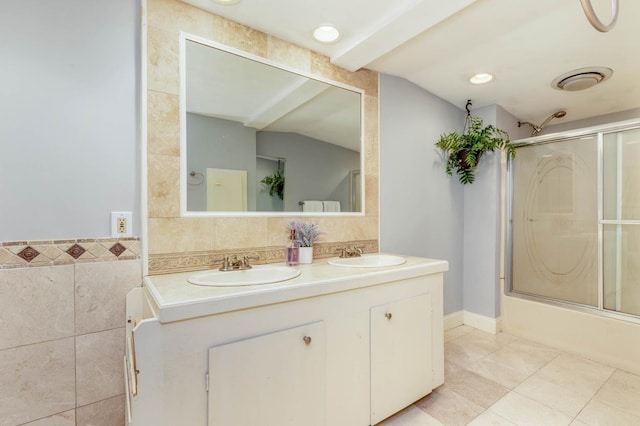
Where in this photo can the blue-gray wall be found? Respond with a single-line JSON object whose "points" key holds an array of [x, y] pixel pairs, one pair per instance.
{"points": [[629, 114], [421, 208], [482, 222], [315, 170], [424, 212], [69, 102], [222, 144]]}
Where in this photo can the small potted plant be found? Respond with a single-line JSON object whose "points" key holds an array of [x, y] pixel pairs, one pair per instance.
{"points": [[463, 151], [306, 234], [275, 184]]}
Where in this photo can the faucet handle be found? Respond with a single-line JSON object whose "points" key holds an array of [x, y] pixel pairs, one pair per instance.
{"points": [[245, 261], [225, 262], [342, 251]]}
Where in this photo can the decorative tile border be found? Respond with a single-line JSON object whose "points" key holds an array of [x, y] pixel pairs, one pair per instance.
{"points": [[195, 261], [24, 254]]}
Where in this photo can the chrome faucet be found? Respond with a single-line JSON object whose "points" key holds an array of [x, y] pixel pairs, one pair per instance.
{"points": [[235, 263]]}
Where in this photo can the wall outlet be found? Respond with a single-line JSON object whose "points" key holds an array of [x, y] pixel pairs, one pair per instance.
{"points": [[121, 224]]}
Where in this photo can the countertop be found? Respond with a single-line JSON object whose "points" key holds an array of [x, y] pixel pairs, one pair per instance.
{"points": [[176, 299]]}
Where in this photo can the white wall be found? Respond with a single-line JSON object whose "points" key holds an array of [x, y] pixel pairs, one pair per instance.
{"points": [[69, 103], [421, 208]]}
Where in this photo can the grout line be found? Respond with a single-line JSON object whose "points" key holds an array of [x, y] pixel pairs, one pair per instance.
{"points": [[75, 346]]}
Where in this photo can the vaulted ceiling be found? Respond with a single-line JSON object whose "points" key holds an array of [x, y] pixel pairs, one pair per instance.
{"points": [[439, 44]]}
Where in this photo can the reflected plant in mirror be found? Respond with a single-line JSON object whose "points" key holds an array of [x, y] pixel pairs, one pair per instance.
{"points": [[249, 126], [275, 184]]}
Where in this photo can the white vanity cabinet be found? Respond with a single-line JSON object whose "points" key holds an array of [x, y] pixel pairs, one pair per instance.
{"points": [[275, 379], [401, 360], [335, 346]]}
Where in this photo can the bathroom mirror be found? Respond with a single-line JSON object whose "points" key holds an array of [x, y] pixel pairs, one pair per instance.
{"points": [[258, 138]]}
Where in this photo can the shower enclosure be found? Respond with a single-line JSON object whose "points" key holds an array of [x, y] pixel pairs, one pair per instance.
{"points": [[574, 229]]}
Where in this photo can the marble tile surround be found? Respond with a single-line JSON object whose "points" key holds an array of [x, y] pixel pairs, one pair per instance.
{"points": [[62, 339], [170, 236]]}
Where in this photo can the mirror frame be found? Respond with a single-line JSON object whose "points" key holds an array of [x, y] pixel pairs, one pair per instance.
{"points": [[184, 37]]}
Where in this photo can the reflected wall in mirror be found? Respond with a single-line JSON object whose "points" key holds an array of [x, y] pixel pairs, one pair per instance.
{"points": [[295, 138]]}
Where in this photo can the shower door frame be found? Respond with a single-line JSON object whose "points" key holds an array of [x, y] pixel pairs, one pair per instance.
{"points": [[598, 132]]}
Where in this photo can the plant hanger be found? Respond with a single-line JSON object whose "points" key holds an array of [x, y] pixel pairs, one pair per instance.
{"points": [[463, 151], [467, 120]]}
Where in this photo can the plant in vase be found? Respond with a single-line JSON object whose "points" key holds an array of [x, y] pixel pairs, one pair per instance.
{"points": [[306, 234]]}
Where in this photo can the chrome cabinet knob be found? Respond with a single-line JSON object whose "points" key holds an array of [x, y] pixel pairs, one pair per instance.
{"points": [[388, 315], [307, 340]]}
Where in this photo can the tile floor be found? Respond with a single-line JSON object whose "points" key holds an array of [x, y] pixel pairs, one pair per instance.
{"points": [[504, 380]]}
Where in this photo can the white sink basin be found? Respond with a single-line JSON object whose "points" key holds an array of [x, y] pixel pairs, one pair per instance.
{"points": [[260, 274], [367, 261]]}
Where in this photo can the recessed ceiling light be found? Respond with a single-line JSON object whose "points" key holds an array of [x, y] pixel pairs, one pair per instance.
{"points": [[326, 34], [481, 78], [227, 2]]}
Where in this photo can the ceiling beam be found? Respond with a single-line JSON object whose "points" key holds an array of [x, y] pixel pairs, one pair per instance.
{"points": [[394, 29], [301, 92]]}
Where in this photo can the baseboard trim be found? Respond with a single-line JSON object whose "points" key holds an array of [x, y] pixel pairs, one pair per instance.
{"points": [[455, 319]]}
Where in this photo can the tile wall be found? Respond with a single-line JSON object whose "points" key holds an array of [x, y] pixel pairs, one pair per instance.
{"points": [[181, 243], [62, 312]]}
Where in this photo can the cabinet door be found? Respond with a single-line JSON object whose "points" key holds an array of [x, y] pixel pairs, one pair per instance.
{"points": [[400, 355], [274, 379]]}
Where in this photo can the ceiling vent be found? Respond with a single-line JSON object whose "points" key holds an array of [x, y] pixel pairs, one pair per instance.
{"points": [[581, 79]]}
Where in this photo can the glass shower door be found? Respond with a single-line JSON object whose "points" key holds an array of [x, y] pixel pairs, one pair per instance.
{"points": [[555, 221], [621, 221]]}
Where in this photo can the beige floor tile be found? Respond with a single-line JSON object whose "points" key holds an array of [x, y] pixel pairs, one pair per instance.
{"points": [[67, 418], [109, 412], [451, 368], [621, 391], [521, 410], [480, 342], [449, 408], [489, 418], [461, 355], [476, 388], [456, 332], [499, 373], [541, 351], [577, 374], [565, 400], [597, 413], [578, 423], [523, 357], [411, 416]]}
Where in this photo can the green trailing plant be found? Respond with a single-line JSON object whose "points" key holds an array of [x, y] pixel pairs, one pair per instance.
{"points": [[463, 151], [275, 183]]}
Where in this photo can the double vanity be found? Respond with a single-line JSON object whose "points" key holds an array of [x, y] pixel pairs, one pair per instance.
{"points": [[336, 342]]}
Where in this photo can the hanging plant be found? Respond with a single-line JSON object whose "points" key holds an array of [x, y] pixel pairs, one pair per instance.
{"points": [[463, 151], [275, 183]]}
